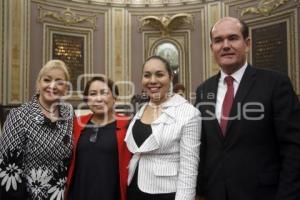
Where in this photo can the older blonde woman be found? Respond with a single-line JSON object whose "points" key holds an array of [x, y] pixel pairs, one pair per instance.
{"points": [[35, 146]]}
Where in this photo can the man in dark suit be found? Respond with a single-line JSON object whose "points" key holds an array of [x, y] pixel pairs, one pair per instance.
{"points": [[250, 145]]}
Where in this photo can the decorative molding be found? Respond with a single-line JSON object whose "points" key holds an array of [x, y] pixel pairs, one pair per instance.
{"points": [[67, 17], [118, 70], [15, 51], [214, 11], [265, 7], [139, 3], [2, 50], [166, 24]]}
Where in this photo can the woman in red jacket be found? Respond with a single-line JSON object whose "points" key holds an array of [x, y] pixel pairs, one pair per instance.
{"points": [[98, 169]]}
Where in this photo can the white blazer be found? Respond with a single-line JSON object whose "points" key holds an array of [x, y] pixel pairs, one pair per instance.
{"points": [[168, 159]]}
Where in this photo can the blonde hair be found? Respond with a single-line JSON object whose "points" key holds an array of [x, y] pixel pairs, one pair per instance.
{"points": [[53, 64]]}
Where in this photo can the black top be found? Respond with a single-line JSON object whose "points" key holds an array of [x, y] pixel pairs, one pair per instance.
{"points": [[141, 132], [96, 174]]}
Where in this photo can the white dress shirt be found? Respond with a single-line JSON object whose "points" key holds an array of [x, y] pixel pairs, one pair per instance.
{"points": [[222, 88]]}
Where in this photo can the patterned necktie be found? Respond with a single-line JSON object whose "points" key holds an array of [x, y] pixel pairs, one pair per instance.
{"points": [[227, 103]]}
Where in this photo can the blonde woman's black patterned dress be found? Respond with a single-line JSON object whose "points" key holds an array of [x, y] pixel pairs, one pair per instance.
{"points": [[35, 153]]}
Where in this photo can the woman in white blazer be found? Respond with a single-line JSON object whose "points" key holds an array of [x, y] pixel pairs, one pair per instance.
{"points": [[164, 138]]}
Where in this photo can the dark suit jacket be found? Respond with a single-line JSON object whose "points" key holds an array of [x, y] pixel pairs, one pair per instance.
{"points": [[259, 158]]}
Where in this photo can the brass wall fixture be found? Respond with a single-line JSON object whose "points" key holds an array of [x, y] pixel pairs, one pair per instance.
{"points": [[67, 17], [265, 7], [166, 24]]}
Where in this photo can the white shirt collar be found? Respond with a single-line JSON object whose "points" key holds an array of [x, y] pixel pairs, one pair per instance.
{"points": [[238, 75]]}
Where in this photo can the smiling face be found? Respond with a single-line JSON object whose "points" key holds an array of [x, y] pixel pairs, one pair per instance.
{"points": [[228, 45], [156, 80], [52, 86], [100, 98]]}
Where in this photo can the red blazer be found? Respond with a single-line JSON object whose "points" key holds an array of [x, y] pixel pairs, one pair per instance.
{"points": [[124, 154]]}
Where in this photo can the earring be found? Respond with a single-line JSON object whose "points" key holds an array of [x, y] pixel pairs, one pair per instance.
{"points": [[170, 92]]}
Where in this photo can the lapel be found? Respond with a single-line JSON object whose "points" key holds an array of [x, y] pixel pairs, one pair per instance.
{"points": [[150, 144], [122, 123], [210, 95], [245, 86], [153, 141], [209, 100], [79, 124]]}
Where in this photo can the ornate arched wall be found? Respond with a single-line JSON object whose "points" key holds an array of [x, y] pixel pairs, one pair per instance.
{"points": [[114, 44]]}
